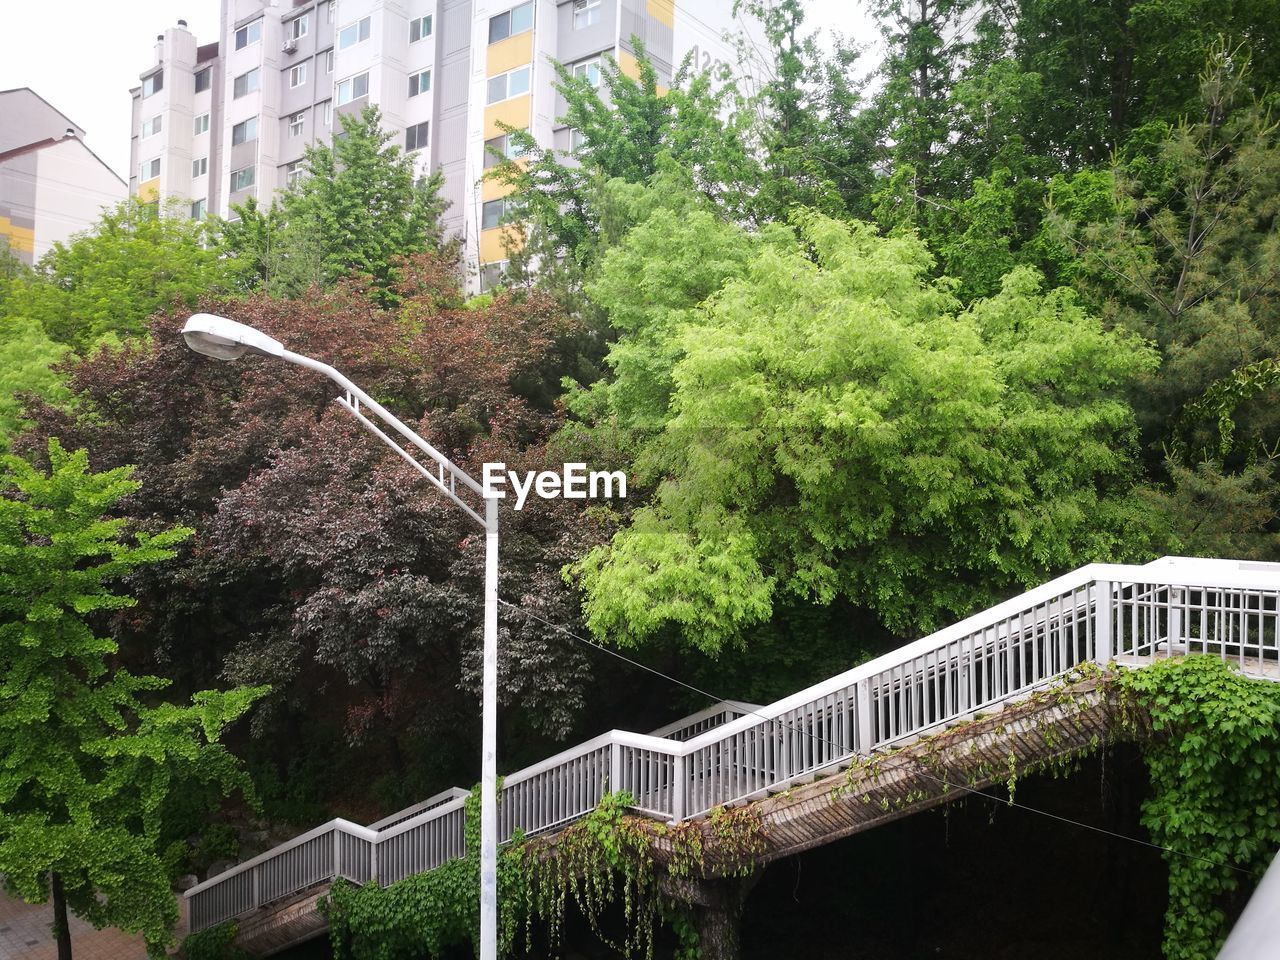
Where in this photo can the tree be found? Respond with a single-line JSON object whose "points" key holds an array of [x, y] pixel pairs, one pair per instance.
{"points": [[87, 756], [26, 357], [356, 209], [106, 282], [838, 428]]}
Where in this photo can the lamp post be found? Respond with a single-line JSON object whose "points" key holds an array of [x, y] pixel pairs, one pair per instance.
{"points": [[225, 339]]}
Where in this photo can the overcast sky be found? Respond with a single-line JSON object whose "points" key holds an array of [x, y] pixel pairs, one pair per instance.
{"points": [[84, 55]]}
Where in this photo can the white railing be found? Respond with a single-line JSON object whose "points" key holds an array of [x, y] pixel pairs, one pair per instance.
{"points": [[734, 751]]}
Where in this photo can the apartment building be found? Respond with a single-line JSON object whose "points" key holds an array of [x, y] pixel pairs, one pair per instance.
{"points": [[51, 184], [217, 123]]}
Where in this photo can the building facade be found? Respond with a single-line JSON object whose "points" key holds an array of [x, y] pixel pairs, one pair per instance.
{"points": [[217, 123], [51, 184]]}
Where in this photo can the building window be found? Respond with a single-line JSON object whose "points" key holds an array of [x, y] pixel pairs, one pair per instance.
{"points": [[298, 27], [245, 84], [249, 33], [415, 137], [588, 70], [492, 214], [150, 127], [204, 79], [198, 209], [586, 13], [355, 33], [508, 85], [153, 84], [419, 28], [576, 139], [353, 88], [293, 173], [244, 131], [297, 75], [419, 83], [200, 167], [242, 179], [201, 125], [295, 123], [328, 62], [499, 148], [149, 170], [328, 114], [516, 20], [491, 275]]}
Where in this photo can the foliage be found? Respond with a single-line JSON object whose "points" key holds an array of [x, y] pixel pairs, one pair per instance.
{"points": [[357, 209], [106, 282], [215, 943], [86, 761], [838, 428], [1215, 771], [26, 356]]}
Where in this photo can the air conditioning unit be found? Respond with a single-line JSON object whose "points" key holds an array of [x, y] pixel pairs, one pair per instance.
{"points": [[289, 45]]}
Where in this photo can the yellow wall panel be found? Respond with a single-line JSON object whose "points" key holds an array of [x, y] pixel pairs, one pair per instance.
{"points": [[494, 189], [21, 239], [628, 66], [149, 191], [509, 53], [514, 112], [494, 243], [664, 11]]}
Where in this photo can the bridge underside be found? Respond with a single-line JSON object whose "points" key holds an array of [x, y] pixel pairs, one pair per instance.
{"points": [[977, 752]]}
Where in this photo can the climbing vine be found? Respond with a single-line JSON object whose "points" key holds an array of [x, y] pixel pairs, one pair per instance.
{"points": [[1214, 764], [215, 943]]}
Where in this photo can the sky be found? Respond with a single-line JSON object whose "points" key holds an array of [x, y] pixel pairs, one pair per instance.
{"points": [[83, 56]]}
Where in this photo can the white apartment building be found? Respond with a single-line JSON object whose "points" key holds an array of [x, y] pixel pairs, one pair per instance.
{"points": [[217, 123]]}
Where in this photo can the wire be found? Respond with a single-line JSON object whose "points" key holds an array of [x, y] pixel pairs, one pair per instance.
{"points": [[843, 748]]}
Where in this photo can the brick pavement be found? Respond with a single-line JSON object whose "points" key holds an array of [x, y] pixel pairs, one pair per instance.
{"points": [[25, 935]]}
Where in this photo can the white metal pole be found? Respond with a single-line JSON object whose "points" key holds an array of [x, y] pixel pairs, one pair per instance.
{"points": [[489, 746]]}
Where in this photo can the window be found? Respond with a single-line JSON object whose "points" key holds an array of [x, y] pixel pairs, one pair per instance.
{"points": [[491, 275], [576, 140], [200, 167], [353, 88], [150, 127], [419, 83], [328, 62], [328, 114], [415, 137], [242, 179], [298, 27], [498, 148], [492, 214], [350, 36], [249, 33], [149, 170], [153, 84], [204, 79], [516, 20], [201, 125], [588, 70], [585, 13], [508, 85], [297, 75], [198, 210], [245, 84], [293, 173], [244, 131], [419, 28], [295, 123]]}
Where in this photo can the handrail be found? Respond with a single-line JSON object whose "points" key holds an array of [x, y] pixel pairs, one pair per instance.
{"points": [[1000, 654]]}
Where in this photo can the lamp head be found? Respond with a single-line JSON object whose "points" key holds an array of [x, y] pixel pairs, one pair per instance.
{"points": [[225, 339]]}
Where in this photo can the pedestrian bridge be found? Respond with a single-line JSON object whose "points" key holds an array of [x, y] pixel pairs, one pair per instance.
{"points": [[789, 755]]}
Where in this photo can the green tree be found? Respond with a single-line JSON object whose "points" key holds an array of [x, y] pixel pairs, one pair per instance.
{"points": [[106, 282], [357, 208], [87, 755], [26, 355], [838, 428]]}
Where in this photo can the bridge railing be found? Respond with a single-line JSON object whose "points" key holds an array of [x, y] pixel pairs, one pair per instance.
{"points": [[731, 752]]}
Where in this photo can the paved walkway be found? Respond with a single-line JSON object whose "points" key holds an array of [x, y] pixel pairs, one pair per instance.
{"points": [[25, 935]]}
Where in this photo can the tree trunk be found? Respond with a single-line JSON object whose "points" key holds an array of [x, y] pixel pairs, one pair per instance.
{"points": [[717, 912], [61, 931]]}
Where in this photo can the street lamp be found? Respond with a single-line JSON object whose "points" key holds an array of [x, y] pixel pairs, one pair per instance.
{"points": [[225, 339]]}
